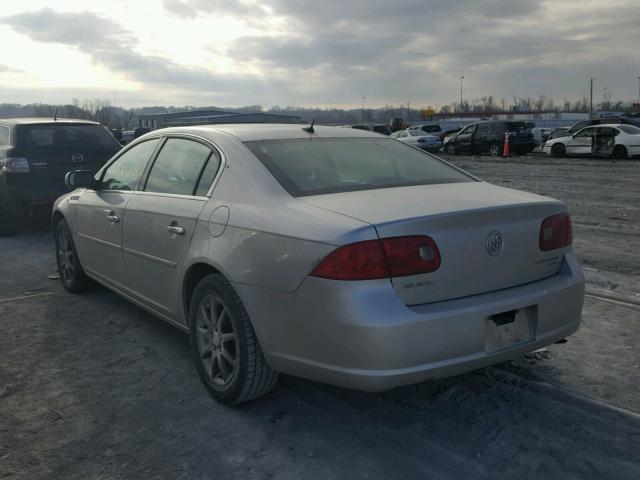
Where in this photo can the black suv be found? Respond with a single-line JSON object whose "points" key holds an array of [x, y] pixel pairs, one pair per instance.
{"points": [[35, 155], [488, 137]]}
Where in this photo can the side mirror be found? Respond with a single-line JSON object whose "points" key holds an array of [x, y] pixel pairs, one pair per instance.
{"points": [[79, 179]]}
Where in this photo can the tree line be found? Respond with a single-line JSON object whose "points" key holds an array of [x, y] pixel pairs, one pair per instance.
{"points": [[119, 118]]}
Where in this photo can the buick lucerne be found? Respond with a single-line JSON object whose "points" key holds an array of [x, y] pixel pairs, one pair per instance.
{"points": [[328, 253]]}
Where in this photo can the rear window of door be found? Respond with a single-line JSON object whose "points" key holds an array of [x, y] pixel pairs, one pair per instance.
{"points": [[183, 167], [125, 172]]}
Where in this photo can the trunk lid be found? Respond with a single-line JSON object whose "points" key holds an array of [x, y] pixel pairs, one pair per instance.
{"points": [[463, 219]]}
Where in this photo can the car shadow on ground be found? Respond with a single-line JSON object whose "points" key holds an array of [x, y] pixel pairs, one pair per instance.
{"points": [[94, 386], [138, 397]]}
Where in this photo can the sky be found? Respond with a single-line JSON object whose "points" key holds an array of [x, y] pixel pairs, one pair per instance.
{"points": [[322, 53]]}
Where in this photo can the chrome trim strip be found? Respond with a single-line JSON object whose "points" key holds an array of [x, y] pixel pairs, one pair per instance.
{"points": [[146, 256], [101, 242]]}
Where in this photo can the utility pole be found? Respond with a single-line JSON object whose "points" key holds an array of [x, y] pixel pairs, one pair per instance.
{"points": [[591, 100], [362, 113], [639, 95], [461, 78]]}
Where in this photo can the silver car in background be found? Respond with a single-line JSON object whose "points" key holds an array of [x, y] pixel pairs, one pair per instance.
{"points": [[417, 138], [332, 254]]}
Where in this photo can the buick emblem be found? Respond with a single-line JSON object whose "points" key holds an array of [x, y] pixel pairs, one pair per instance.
{"points": [[494, 244], [77, 158]]}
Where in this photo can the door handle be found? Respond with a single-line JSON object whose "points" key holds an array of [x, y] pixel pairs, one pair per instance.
{"points": [[175, 230], [113, 218]]}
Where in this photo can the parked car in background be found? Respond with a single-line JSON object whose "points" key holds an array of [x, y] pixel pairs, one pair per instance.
{"points": [[541, 134], [381, 129], [128, 136], [430, 128], [576, 127], [488, 137], [352, 260], [418, 138], [617, 141], [35, 154]]}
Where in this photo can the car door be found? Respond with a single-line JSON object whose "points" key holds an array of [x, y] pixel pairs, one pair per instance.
{"points": [[582, 142], [100, 213], [161, 217], [480, 139], [464, 139], [604, 140]]}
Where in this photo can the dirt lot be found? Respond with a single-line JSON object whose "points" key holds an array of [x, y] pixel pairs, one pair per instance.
{"points": [[93, 387]]}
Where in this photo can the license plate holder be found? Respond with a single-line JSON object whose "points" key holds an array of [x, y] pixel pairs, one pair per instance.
{"points": [[509, 328]]}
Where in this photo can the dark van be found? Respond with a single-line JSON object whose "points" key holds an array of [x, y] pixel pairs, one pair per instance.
{"points": [[488, 137], [35, 155]]}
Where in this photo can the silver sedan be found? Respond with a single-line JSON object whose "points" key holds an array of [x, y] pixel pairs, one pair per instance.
{"points": [[332, 254]]}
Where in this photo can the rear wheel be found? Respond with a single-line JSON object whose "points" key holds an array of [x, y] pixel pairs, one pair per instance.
{"points": [[620, 152], [71, 273], [558, 150], [495, 150], [224, 346]]}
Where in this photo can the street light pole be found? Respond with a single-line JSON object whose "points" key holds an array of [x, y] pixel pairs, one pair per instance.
{"points": [[639, 95], [362, 113], [461, 78]]}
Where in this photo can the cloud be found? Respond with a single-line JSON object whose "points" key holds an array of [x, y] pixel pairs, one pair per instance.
{"points": [[180, 8], [335, 51]]}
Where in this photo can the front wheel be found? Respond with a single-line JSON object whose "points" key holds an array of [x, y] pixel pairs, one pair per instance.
{"points": [[558, 150], [71, 273], [450, 149], [224, 346]]}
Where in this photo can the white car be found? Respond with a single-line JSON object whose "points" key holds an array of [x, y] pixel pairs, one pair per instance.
{"points": [[617, 141], [418, 138]]}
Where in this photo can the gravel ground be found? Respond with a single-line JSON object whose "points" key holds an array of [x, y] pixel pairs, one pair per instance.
{"points": [[93, 387]]}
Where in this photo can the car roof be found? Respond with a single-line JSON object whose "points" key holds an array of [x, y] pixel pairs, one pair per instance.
{"points": [[247, 132], [43, 120]]}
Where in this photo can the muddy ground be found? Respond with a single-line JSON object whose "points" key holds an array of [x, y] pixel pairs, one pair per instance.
{"points": [[93, 387]]}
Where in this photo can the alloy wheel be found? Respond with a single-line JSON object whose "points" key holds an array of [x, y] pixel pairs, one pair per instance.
{"points": [[216, 340], [66, 256]]}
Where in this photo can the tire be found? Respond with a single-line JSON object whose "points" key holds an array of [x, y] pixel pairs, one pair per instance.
{"points": [[558, 150], [224, 346], [72, 275], [7, 223], [620, 152], [451, 150], [495, 150]]}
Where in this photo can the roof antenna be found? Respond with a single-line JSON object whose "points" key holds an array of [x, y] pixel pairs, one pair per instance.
{"points": [[55, 115], [310, 127]]}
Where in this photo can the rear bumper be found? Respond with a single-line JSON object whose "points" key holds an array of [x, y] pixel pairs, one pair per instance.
{"points": [[359, 335], [20, 193]]}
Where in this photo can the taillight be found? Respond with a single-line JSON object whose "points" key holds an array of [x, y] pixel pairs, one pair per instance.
{"points": [[385, 258], [555, 232], [14, 165]]}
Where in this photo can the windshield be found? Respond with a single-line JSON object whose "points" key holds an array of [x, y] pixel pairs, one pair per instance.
{"points": [[630, 129], [331, 165], [66, 135]]}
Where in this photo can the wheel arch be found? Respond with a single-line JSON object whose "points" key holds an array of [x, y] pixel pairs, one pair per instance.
{"points": [[194, 273]]}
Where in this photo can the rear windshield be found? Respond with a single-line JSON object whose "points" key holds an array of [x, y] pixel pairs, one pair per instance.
{"points": [[331, 165], [630, 129], [61, 135]]}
